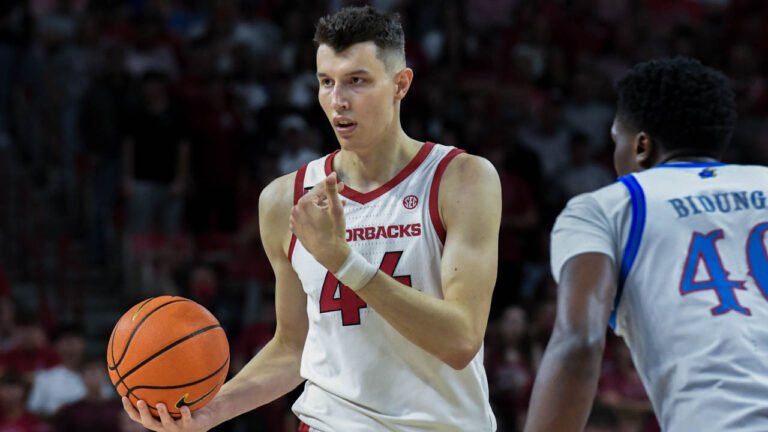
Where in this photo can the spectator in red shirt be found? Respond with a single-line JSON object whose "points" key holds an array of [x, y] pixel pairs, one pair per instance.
{"points": [[30, 349], [14, 416]]}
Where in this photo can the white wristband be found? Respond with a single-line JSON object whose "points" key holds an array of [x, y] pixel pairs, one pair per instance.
{"points": [[356, 272]]}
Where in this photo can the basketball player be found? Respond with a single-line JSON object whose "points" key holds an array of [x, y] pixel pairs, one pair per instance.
{"points": [[673, 257], [385, 257]]}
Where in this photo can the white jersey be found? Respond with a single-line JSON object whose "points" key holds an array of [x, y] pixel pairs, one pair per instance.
{"points": [[362, 375], [690, 245]]}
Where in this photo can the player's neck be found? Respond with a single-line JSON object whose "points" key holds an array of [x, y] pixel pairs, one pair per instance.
{"points": [[366, 169], [679, 157]]}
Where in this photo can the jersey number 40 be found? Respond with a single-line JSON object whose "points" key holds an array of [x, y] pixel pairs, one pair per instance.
{"points": [[703, 249], [336, 296]]}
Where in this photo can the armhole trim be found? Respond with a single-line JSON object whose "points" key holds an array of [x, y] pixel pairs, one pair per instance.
{"points": [[631, 249], [434, 193], [298, 192]]}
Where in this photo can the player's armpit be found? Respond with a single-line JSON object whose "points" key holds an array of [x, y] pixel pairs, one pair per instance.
{"points": [[567, 379], [585, 298]]}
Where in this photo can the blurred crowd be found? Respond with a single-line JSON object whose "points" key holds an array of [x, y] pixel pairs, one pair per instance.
{"points": [[144, 130]]}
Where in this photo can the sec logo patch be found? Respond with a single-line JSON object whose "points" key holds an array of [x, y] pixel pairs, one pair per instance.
{"points": [[410, 202]]}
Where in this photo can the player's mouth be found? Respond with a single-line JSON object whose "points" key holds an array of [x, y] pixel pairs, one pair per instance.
{"points": [[344, 126]]}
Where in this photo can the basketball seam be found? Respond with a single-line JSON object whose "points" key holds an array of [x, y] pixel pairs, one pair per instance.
{"points": [[165, 349], [112, 338], [125, 349], [135, 329], [132, 389], [117, 372]]}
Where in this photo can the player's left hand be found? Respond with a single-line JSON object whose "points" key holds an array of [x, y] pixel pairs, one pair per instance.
{"points": [[318, 222]]}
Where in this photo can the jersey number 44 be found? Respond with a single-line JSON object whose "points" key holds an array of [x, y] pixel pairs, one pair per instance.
{"points": [[336, 296]]}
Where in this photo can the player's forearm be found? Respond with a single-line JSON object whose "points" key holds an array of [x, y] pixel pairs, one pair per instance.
{"points": [[270, 374], [442, 328], [565, 386]]}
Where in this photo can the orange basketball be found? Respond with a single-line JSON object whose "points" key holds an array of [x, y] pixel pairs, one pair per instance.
{"points": [[171, 350]]}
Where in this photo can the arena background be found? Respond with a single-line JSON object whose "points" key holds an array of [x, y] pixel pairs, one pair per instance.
{"points": [[226, 91]]}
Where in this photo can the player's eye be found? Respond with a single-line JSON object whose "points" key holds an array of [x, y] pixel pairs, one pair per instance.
{"points": [[326, 82], [357, 80]]}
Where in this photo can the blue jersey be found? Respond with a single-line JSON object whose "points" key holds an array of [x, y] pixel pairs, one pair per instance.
{"points": [[690, 246]]}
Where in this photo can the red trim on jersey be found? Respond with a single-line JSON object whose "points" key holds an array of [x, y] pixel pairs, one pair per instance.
{"points": [[366, 197], [298, 191], [303, 427], [434, 192]]}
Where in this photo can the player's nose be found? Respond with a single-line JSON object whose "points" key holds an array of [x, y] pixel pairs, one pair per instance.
{"points": [[339, 102]]}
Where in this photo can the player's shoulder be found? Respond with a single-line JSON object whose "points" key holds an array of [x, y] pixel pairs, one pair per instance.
{"points": [[745, 168], [276, 198], [608, 199], [604, 204], [704, 170], [469, 168], [469, 184], [469, 181]]}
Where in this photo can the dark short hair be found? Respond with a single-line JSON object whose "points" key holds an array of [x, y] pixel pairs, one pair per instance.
{"points": [[685, 106], [353, 25]]}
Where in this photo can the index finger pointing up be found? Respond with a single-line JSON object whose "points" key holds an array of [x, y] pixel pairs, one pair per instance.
{"points": [[330, 185], [332, 188]]}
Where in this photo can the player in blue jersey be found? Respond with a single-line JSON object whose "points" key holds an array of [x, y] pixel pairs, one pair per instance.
{"points": [[673, 257]]}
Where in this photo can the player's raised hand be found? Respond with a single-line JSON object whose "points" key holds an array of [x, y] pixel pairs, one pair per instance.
{"points": [[318, 222], [200, 422]]}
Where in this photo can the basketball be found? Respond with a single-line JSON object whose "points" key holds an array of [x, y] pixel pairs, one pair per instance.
{"points": [[168, 349]]}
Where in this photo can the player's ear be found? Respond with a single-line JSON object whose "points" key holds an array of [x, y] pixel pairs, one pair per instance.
{"points": [[403, 80], [645, 150]]}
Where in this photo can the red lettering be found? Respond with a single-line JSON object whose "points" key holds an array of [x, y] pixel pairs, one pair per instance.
{"points": [[388, 231], [389, 264], [348, 303], [392, 231], [380, 232]]}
